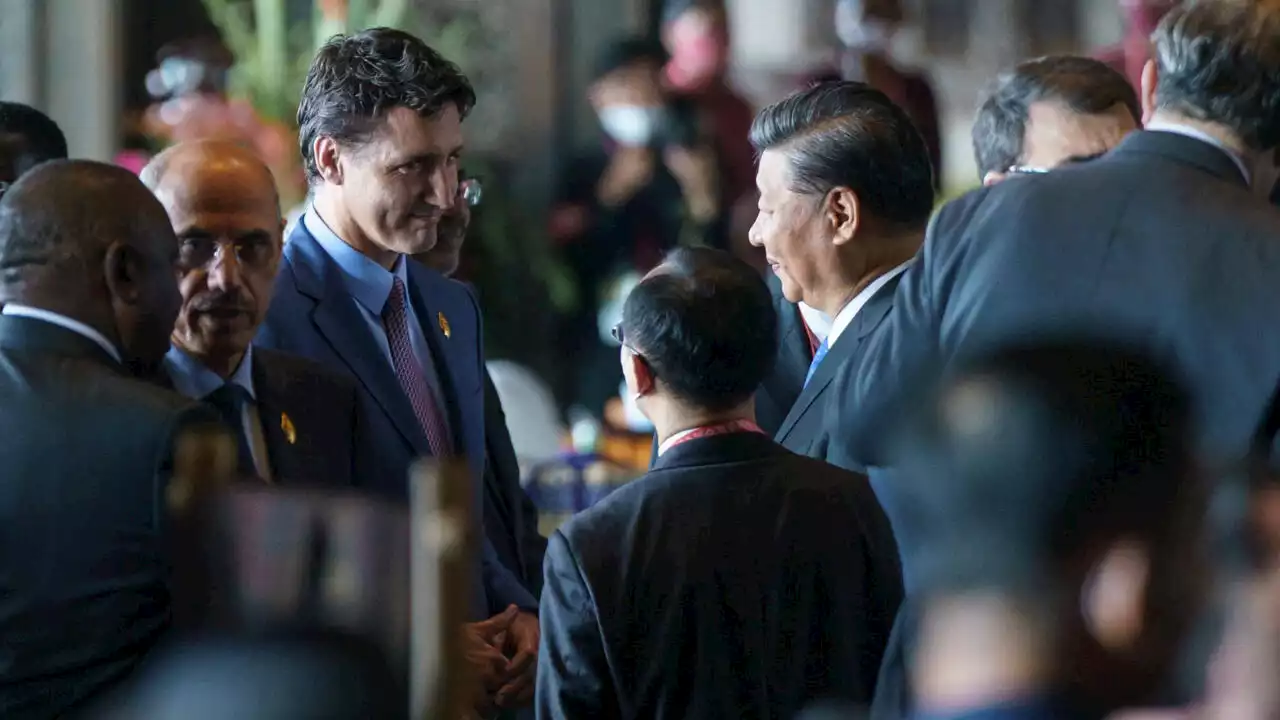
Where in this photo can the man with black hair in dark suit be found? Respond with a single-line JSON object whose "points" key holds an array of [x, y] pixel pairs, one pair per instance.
{"points": [[735, 579], [87, 285], [846, 190], [510, 517]]}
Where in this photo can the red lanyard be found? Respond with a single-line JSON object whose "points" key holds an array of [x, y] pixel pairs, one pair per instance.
{"points": [[733, 426]]}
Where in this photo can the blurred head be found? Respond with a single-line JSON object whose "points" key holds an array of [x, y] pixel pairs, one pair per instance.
{"points": [[698, 334], [1050, 111], [27, 138], [1058, 477], [380, 126], [627, 92], [841, 168], [222, 202], [1218, 62], [867, 26], [698, 39], [89, 241], [445, 256]]}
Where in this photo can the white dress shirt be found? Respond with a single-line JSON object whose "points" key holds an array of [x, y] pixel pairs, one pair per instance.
{"points": [[849, 312], [62, 321], [818, 322]]}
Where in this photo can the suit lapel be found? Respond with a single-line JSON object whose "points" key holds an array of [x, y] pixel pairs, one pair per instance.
{"points": [[847, 346], [347, 332], [273, 405], [442, 350]]}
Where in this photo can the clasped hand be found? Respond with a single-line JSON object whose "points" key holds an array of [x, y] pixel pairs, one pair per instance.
{"points": [[502, 652]]}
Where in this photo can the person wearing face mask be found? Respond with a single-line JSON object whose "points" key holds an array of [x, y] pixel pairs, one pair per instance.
{"points": [[696, 34], [866, 29], [653, 184]]}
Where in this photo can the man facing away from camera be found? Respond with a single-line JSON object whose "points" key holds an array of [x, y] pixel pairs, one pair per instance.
{"points": [[735, 579]]}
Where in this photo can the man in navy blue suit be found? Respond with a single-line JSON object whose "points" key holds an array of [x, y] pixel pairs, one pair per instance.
{"points": [[380, 124]]}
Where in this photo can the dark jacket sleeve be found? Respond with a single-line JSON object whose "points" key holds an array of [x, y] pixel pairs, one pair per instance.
{"points": [[503, 480], [573, 679]]}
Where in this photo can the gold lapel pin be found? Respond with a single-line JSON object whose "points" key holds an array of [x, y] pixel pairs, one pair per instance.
{"points": [[290, 434], [444, 324]]}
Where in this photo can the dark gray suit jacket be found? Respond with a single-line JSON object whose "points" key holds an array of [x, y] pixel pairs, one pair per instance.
{"points": [[1159, 241], [807, 428], [86, 453], [734, 580]]}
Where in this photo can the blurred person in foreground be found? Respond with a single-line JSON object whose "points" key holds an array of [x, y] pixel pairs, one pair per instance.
{"points": [[653, 184], [1061, 522], [28, 137], [846, 190], [1052, 111], [508, 511], [294, 421], [1118, 245], [381, 137], [89, 295], [735, 579]]}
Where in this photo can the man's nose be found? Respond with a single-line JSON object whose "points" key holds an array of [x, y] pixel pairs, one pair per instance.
{"points": [[224, 269], [754, 236], [444, 189]]}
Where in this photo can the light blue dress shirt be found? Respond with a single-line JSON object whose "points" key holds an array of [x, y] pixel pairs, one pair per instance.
{"points": [[369, 285], [192, 379]]}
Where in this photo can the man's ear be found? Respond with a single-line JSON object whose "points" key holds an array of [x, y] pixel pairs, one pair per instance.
{"points": [[1114, 595], [843, 213], [646, 381], [327, 155], [122, 270], [992, 178], [1150, 79]]}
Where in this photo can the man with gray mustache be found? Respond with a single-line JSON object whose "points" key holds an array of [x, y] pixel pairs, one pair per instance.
{"points": [[295, 422]]}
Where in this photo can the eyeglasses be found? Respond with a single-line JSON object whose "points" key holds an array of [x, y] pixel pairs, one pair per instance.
{"points": [[618, 337], [470, 191]]}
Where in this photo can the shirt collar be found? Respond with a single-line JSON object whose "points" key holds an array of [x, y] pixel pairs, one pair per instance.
{"points": [[845, 317], [819, 322], [194, 380], [367, 281], [66, 323], [1169, 127]]}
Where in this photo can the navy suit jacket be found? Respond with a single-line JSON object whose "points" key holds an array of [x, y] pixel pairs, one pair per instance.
{"points": [[311, 315]]}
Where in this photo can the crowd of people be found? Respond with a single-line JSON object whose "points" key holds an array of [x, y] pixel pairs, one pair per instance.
{"points": [[1010, 458]]}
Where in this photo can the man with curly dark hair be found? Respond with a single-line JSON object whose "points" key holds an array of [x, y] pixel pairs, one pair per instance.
{"points": [[380, 129]]}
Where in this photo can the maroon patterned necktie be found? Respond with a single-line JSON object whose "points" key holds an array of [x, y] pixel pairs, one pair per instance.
{"points": [[395, 320]]}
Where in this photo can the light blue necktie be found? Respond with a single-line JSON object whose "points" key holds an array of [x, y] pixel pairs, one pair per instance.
{"points": [[820, 353]]}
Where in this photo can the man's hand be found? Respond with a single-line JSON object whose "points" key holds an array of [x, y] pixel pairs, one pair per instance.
{"points": [[695, 170], [522, 646], [481, 643], [628, 171]]}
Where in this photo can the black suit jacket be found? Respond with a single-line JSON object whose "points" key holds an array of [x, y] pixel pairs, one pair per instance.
{"points": [[86, 453], [510, 517], [1159, 242], [329, 445], [779, 390], [734, 580], [806, 430]]}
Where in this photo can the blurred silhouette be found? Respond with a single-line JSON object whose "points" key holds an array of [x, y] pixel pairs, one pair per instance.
{"points": [[1059, 514]]}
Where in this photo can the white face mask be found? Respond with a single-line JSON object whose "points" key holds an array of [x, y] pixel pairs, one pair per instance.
{"points": [[860, 33], [632, 125]]}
